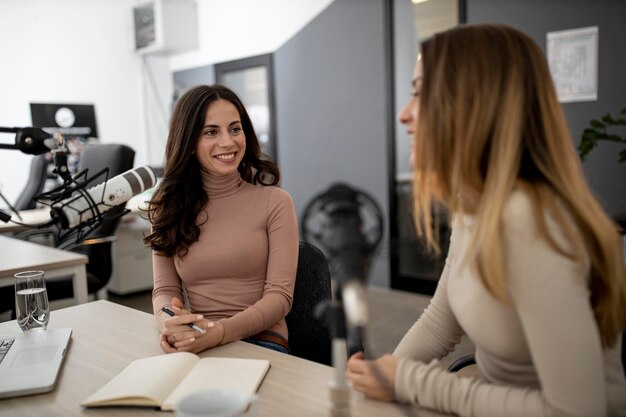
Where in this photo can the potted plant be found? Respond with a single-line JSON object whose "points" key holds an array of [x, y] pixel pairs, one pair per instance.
{"points": [[603, 129], [607, 128]]}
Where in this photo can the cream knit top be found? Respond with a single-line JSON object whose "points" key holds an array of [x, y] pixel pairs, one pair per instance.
{"points": [[538, 356]]}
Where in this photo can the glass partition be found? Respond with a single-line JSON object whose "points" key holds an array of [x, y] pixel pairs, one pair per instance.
{"points": [[413, 268], [252, 80]]}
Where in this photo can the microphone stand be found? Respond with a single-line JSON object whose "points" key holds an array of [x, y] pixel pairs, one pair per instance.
{"points": [[13, 209], [348, 307], [339, 390], [29, 140]]}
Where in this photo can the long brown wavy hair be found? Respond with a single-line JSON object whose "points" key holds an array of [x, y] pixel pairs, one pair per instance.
{"points": [[489, 122], [179, 199]]}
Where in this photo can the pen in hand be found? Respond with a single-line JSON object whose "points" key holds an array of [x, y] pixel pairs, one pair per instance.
{"points": [[192, 325]]}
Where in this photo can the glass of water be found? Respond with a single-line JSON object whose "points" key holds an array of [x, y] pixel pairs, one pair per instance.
{"points": [[31, 300]]}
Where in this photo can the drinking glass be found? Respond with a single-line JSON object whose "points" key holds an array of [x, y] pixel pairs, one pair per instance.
{"points": [[31, 300]]}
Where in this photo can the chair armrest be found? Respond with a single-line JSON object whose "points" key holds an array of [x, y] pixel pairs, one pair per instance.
{"points": [[461, 363], [97, 240]]}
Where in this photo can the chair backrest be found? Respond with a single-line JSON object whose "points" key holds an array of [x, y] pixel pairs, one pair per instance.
{"points": [[624, 352], [309, 337], [95, 157], [34, 186], [119, 159]]}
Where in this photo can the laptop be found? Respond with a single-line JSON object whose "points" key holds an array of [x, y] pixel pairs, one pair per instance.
{"points": [[30, 362]]}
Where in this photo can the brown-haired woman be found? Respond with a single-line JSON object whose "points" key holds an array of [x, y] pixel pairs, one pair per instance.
{"points": [[220, 229], [535, 274]]}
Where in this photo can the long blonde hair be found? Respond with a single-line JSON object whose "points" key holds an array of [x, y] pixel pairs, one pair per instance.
{"points": [[489, 121]]}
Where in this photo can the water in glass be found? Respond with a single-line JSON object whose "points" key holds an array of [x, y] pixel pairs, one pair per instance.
{"points": [[31, 300]]}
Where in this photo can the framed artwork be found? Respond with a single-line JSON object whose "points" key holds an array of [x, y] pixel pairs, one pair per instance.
{"points": [[573, 59]]}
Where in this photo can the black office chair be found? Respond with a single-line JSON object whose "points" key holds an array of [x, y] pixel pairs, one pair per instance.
{"points": [[624, 351], [98, 245], [309, 337], [34, 186], [36, 181], [462, 362]]}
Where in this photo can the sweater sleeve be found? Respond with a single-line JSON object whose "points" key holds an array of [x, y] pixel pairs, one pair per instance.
{"points": [[282, 262], [549, 294], [167, 284], [436, 332]]}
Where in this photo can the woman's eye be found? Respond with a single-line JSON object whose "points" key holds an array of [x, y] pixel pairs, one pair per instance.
{"points": [[235, 130], [210, 132]]}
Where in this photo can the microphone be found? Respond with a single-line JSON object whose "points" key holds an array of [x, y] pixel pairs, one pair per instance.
{"points": [[349, 248], [81, 208]]}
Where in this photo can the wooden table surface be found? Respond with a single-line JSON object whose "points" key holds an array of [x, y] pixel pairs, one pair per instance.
{"points": [[107, 337]]}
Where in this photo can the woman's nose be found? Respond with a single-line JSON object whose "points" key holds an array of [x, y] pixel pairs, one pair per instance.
{"points": [[224, 140], [405, 116]]}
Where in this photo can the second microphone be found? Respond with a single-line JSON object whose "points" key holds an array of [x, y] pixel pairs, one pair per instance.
{"points": [[78, 209]]}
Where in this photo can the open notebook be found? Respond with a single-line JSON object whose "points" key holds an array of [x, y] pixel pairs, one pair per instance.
{"points": [[161, 381]]}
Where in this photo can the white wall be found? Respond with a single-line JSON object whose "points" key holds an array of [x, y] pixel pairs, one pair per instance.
{"points": [[67, 51], [233, 29], [82, 51]]}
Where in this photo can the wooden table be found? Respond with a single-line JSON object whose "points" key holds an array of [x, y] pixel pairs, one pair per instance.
{"points": [[19, 255], [107, 337]]}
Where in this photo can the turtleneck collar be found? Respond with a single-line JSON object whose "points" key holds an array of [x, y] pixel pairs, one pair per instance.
{"points": [[218, 186]]}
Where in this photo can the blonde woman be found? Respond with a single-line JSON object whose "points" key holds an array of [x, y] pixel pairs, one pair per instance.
{"points": [[535, 275]]}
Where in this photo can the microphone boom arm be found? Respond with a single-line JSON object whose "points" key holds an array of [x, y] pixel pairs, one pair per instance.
{"points": [[29, 140]]}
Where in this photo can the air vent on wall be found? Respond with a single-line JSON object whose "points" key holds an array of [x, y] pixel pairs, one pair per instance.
{"points": [[165, 26]]}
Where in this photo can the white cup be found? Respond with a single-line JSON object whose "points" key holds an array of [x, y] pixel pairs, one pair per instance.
{"points": [[219, 402]]}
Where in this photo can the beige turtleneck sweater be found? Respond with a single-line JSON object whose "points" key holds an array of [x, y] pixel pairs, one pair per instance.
{"points": [[242, 270], [538, 356]]}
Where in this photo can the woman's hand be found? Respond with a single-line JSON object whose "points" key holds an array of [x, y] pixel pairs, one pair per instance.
{"points": [[197, 343], [375, 379], [176, 336]]}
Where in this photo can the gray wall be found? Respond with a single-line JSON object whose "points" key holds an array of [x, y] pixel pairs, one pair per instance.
{"points": [[331, 108], [405, 55], [537, 17]]}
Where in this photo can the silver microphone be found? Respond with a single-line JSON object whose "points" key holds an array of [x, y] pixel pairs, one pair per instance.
{"points": [[75, 210]]}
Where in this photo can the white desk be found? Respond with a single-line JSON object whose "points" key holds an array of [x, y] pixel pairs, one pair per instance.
{"points": [[107, 337], [132, 259], [18, 255], [41, 215], [34, 217]]}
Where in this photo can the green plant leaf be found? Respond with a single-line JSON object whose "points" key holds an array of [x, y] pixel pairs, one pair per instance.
{"points": [[607, 119], [601, 130], [585, 146], [590, 134]]}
